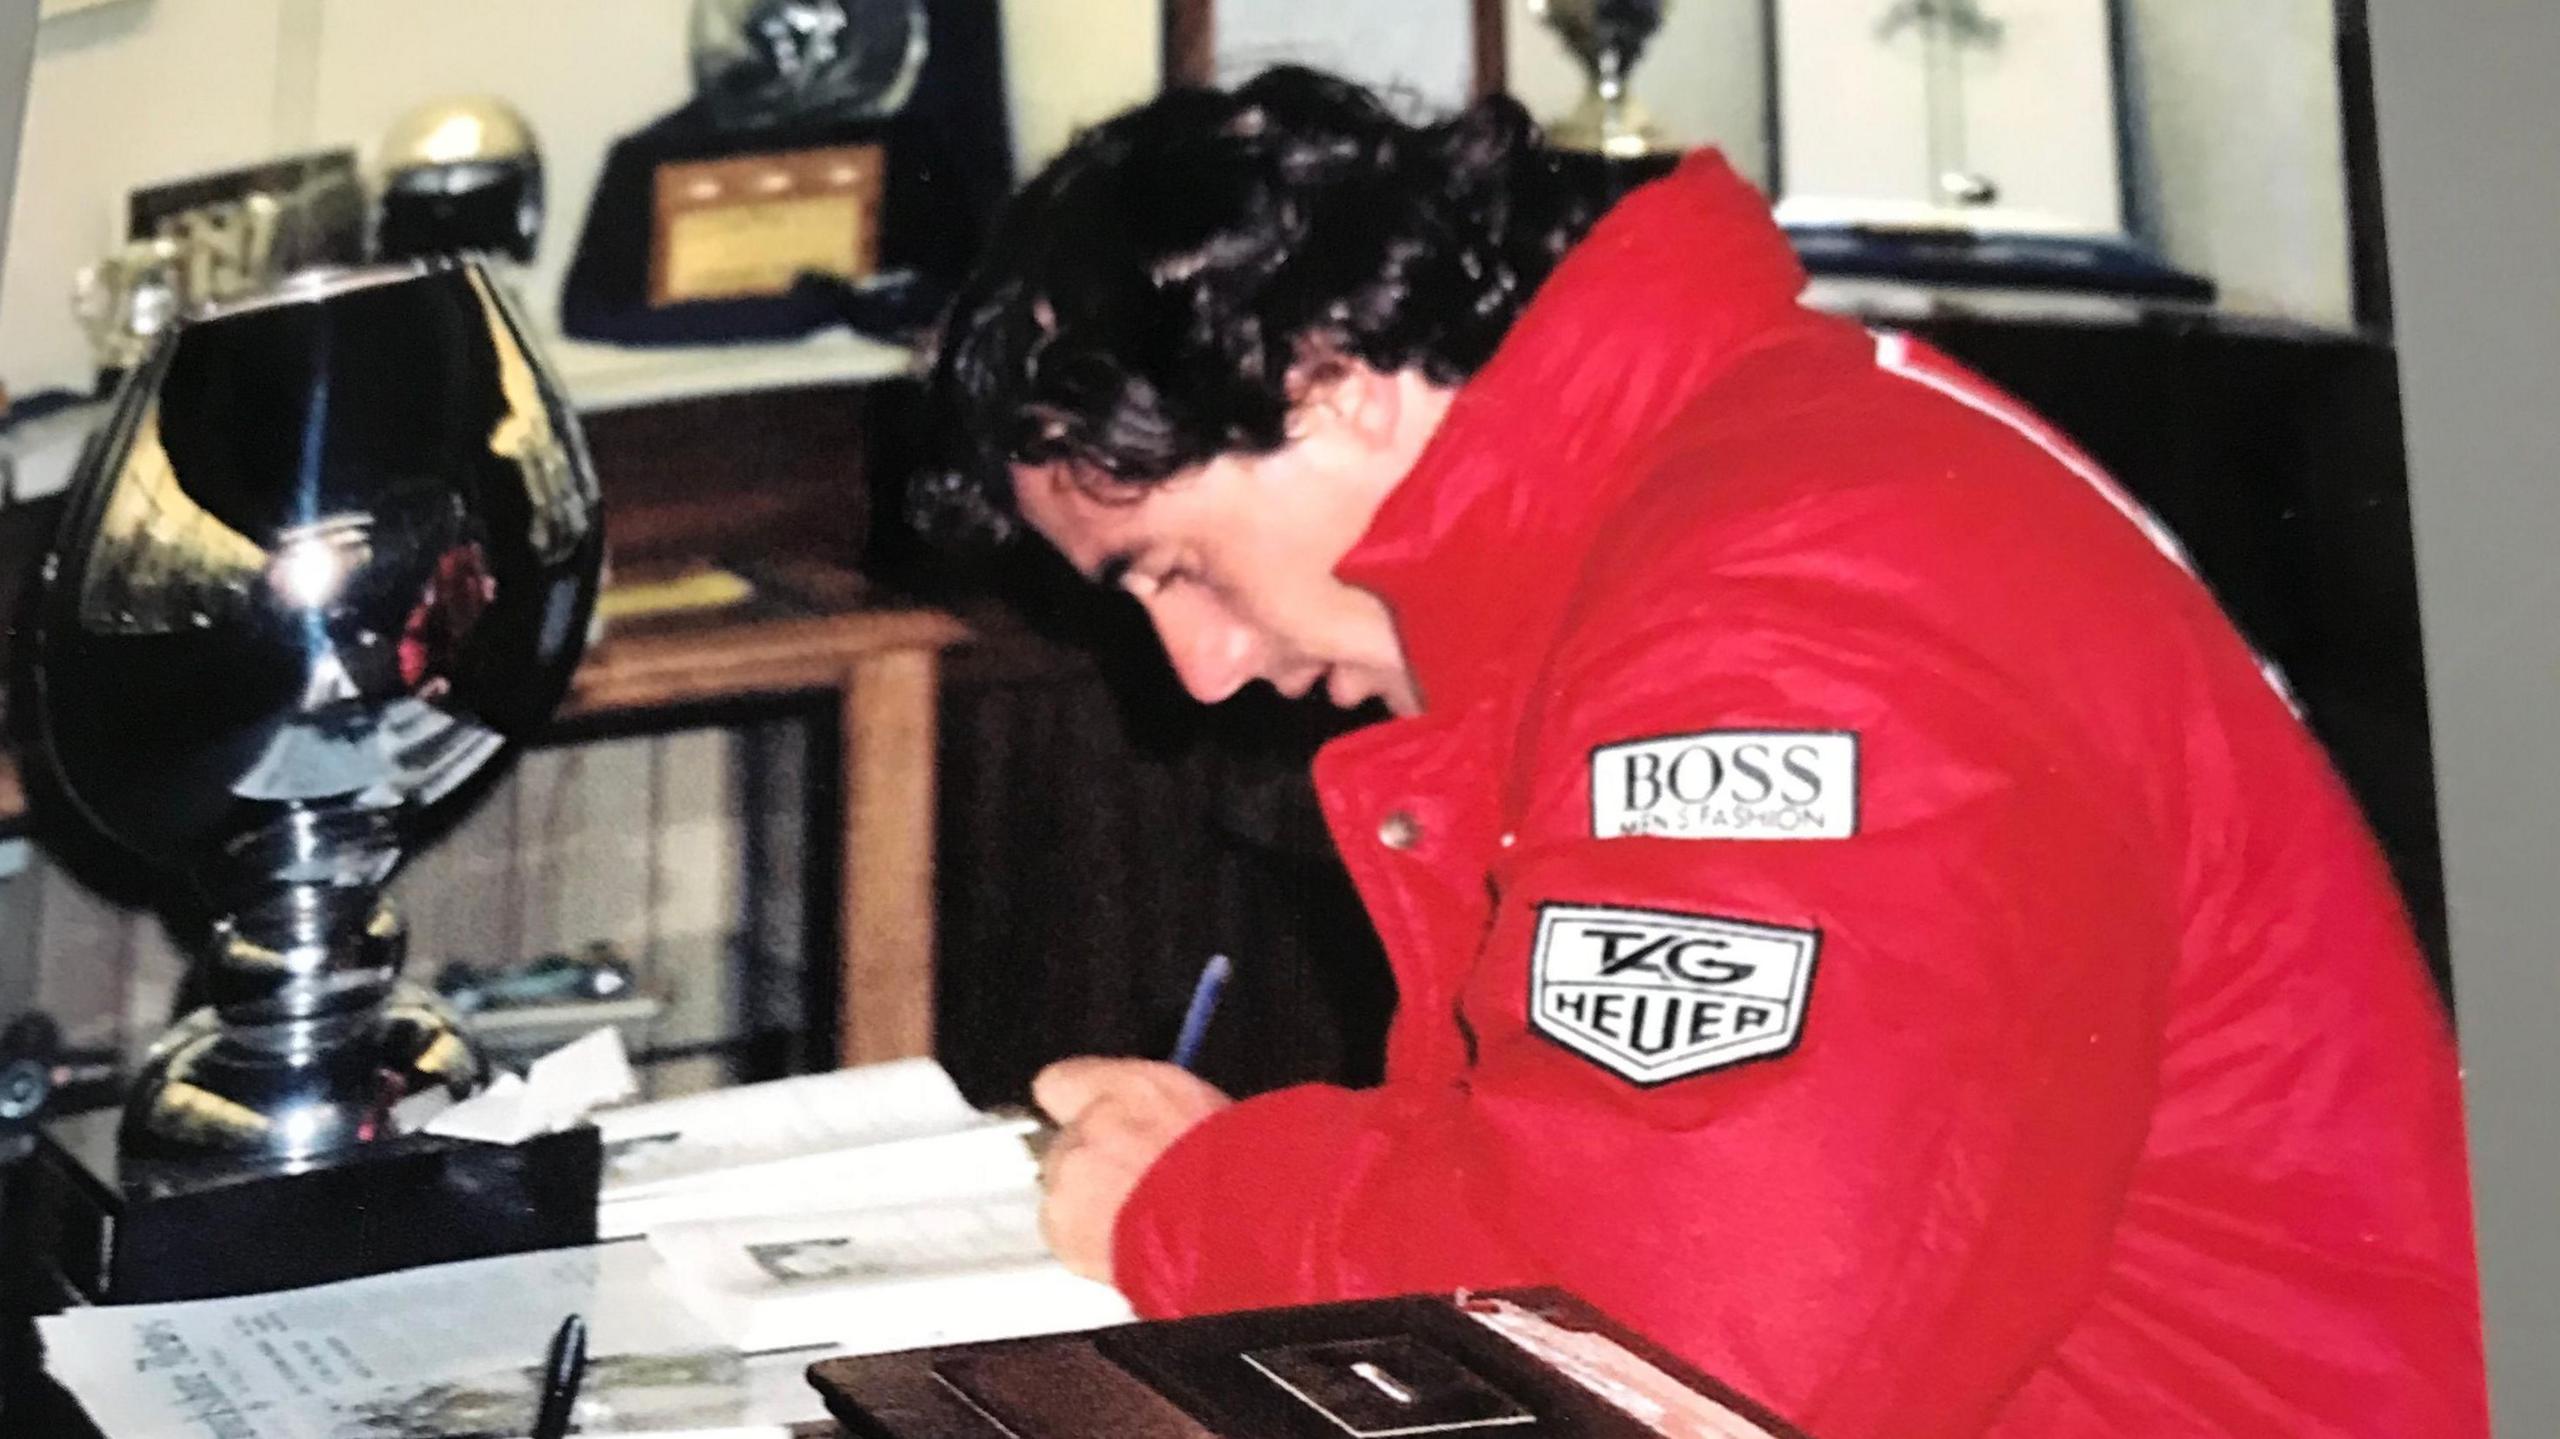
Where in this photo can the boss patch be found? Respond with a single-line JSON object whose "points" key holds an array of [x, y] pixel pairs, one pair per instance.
{"points": [[1728, 784], [1654, 997]]}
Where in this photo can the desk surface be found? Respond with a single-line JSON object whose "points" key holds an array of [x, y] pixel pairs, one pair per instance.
{"points": [[805, 622]]}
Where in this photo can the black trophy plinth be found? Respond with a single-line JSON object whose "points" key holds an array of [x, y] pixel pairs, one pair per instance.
{"points": [[948, 166], [111, 1230]]}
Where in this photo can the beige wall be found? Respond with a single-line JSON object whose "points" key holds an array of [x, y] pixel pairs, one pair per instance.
{"points": [[1074, 62], [121, 94], [2235, 158], [2235, 163], [132, 91], [2239, 162]]}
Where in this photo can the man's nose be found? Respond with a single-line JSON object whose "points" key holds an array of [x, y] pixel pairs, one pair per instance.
{"points": [[1214, 654]]}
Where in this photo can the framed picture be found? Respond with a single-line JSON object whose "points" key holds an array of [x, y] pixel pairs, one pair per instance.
{"points": [[1436, 54], [1987, 115]]}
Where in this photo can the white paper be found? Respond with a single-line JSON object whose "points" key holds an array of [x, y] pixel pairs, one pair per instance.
{"points": [[863, 1281], [982, 1159], [454, 1349], [721, 1137], [771, 1255], [557, 1090], [503, 1113]]}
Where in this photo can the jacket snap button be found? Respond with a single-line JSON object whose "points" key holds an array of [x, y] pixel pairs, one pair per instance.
{"points": [[1398, 831]]}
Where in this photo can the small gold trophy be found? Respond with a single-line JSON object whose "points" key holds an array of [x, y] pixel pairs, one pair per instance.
{"points": [[1608, 36]]}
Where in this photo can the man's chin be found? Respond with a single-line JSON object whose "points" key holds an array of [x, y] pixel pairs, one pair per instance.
{"points": [[1346, 690], [1350, 690]]}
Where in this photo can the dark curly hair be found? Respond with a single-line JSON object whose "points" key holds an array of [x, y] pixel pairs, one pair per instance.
{"points": [[1149, 298]]}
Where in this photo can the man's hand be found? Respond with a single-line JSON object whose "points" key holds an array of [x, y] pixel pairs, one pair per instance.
{"points": [[1114, 1116]]}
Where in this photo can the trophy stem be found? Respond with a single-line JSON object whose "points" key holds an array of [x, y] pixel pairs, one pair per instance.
{"points": [[1608, 36], [306, 953]]}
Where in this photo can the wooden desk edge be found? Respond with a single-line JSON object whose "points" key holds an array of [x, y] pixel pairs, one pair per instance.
{"points": [[651, 669]]}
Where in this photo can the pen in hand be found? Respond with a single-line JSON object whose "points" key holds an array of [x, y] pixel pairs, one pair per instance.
{"points": [[1044, 1131], [1204, 1006], [562, 1371]]}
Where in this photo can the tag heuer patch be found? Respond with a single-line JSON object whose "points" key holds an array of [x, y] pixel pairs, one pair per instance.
{"points": [[1654, 997], [1728, 784]]}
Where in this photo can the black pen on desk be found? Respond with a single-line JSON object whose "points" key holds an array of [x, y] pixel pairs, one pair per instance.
{"points": [[562, 1371], [1204, 1007]]}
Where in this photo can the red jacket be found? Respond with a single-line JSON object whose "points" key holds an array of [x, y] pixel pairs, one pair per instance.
{"points": [[1861, 915]]}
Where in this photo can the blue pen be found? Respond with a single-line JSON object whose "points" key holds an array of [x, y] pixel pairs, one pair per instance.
{"points": [[1204, 1006]]}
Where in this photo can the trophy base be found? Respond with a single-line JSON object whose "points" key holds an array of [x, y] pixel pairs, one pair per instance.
{"points": [[298, 1093], [1619, 130], [132, 1231]]}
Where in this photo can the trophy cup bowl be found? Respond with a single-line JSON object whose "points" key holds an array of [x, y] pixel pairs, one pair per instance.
{"points": [[1608, 37], [337, 545]]}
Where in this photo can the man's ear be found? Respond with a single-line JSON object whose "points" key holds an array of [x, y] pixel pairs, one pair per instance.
{"points": [[1351, 401]]}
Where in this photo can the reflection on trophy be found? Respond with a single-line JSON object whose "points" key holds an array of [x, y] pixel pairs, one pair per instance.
{"points": [[337, 544], [1608, 36]]}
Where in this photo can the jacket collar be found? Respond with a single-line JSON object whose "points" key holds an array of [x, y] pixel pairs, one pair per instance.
{"points": [[1668, 289]]}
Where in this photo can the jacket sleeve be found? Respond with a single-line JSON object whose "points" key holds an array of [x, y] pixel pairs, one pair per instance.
{"points": [[1879, 1226]]}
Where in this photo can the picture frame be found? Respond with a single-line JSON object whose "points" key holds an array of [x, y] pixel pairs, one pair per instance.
{"points": [[748, 225], [2030, 142]]}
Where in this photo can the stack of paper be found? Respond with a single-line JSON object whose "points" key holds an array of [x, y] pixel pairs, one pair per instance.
{"points": [[454, 1349], [861, 1211], [864, 1210]]}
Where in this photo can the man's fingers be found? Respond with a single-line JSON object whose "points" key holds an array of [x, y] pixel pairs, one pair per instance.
{"points": [[1083, 1186], [1067, 1088], [1116, 1117]]}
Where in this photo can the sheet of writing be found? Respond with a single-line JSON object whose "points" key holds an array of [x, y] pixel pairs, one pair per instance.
{"points": [[451, 1349]]}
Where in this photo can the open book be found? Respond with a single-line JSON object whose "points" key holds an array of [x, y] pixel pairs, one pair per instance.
{"points": [[866, 1209]]}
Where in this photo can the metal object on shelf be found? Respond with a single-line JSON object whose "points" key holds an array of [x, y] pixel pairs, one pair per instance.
{"points": [[761, 63], [128, 298], [520, 1012], [459, 176], [596, 973], [1947, 28], [215, 238], [335, 548], [1608, 37]]}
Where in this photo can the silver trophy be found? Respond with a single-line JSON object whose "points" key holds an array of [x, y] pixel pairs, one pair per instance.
{"points": [[1608, 37], [758, 64], [336, 546]]}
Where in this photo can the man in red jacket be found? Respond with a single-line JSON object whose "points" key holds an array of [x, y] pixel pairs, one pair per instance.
{"points": [[1860, 914]]}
